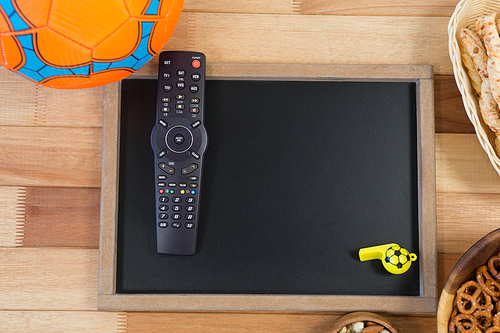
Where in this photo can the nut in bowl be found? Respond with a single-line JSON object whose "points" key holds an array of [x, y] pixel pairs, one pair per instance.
{"points": [[362, 322], [473, 74], [466, 300]]}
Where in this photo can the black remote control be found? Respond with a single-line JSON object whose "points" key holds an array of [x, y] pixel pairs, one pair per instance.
{"points": [[179, 141]]}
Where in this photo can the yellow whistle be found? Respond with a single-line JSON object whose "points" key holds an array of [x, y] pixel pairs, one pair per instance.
{"points": [[396, 260]]}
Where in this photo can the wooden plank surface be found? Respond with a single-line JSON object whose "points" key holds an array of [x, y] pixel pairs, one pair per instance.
{"points": [[50, 144], [273, 38], [62, 321]]}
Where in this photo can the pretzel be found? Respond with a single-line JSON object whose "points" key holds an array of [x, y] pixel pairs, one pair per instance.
{"points": [[471, 297], [493, 329], [487, 282], [496, 320], [484, 318], [494, 266], [463, 323]]}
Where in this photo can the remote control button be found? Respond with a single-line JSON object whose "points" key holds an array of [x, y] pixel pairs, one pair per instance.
{"points": [[181, 85], [183, 185], [195, 77], [190, 168], [163, 199], [165, 109], [176, 208], [194, 88], [163, 216], [161, 184], [166, 100], [195, 124], [190, 217], [162, 153], [180, 106], [176, 225], [181, 73], [163, 208], [167, 63], [167, 88], [194, 154], [163, 123], [196, 63], [167, 76], [189, 225], [194, 100], [193, 185], [161, 191], [193, 192], [163, 224], [180, 97], [172, 184], [179, 139], [194, 110], [175, 141], [162, 177], [183, 191], [190, 200], [167, 168], [176, 217], [190, 208], [193, 178], [177, 200]]}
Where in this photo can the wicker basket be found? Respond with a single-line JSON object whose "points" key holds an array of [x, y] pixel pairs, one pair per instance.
{"points": [[465, 15]]}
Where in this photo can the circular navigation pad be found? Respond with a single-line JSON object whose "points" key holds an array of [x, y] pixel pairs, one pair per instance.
{"points": [[179, 139]]}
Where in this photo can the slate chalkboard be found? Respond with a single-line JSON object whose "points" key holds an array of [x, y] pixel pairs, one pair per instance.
{"points": [[298, 176]]}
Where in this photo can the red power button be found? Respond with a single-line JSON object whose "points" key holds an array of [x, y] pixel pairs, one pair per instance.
{"points": [[196, 64]]}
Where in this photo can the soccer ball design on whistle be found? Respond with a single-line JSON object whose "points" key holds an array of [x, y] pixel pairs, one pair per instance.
{"points": [[81, 44]]}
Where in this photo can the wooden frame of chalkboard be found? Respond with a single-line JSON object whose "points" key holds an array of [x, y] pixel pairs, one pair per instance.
{"points": [[425, 302]]}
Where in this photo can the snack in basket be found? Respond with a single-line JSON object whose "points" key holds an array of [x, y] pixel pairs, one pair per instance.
{"points": [[477, 303], [481, 56]]}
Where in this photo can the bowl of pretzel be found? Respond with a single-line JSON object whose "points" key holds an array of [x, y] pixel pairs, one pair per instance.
{"points": [[474, 46], [362, 322], [470, 299]]}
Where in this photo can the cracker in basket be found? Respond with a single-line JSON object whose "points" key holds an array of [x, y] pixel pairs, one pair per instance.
{"points": [[487, 104], [469, 42], [487, 29]]}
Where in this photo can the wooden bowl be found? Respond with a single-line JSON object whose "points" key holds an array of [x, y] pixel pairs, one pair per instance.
{"points": [[464, 270], [361, 316]]}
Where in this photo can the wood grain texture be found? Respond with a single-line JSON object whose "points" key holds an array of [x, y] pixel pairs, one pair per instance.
{"points": [[256, 6], [450, 111], [60, 217], [25, 103], [268, 38], [379, 7], [12, 215], [246, 323], [62, 321], [462, 165], [464, 218], [48, 279], [50, 156]]}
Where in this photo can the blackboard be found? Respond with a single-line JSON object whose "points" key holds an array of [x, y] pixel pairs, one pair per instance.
{"points": [[299, 174]]}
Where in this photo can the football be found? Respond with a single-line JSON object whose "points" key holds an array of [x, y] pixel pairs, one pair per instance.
{"points": [[397, 256], [70, 44]]}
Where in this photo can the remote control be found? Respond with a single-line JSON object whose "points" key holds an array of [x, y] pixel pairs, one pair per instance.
{"points": [[179, 141]]}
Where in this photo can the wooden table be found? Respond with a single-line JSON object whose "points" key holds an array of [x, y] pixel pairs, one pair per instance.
{"points": [[50, 148]]}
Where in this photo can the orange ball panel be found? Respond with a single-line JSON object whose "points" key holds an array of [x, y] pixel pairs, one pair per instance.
{"points": [[87, 21], [172, 8], [4, 24], [159, 36], [49, 45], [36, 12], [121, 44], [67, 82], [12, 54], [137, 7]]}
